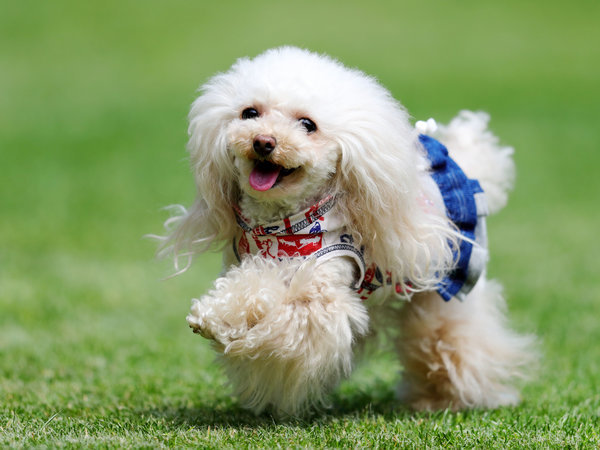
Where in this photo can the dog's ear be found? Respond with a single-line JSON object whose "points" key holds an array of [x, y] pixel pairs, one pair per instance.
{"points": [[380, 185], [210, 221]]}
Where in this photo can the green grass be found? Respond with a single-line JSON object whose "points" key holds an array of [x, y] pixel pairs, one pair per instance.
{"points": [[94, 348]]}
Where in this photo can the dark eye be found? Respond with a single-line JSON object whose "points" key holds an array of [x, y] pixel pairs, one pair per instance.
{"points": [[250, 113], [308, 124]]}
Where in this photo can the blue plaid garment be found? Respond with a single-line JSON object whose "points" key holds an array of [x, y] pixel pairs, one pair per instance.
{"points": [[466, 208]]}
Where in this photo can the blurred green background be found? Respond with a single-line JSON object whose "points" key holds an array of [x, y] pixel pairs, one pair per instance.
{"points": [[93, 104]]}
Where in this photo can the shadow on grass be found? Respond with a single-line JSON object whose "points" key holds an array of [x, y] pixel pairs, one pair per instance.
{"points": [[224, 412]]}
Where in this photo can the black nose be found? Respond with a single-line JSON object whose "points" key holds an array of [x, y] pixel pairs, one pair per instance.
{"points": [[263, 145]]}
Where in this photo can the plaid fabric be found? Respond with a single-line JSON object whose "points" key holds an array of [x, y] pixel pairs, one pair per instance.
{"points": [[466, 207], [319, 232]]}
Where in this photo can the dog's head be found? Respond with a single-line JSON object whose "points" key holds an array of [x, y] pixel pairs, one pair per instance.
{"points": [[290, 126], [282, 125]]}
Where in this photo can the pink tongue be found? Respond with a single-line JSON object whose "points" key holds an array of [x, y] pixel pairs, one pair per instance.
{"points": [[263, 176]]}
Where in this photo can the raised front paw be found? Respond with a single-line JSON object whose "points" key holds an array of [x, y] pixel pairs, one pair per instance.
{"points": [[221, 320], [238, 303], [197, 318]]}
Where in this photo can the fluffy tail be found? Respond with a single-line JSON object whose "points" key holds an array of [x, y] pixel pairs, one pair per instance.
{"points": [[477, 151]]}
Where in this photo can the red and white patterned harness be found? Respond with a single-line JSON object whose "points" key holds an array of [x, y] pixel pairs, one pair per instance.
{"points": [[317, 232]]}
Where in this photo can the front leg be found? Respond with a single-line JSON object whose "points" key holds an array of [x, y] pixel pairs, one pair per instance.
{"points": [[285, 330]]}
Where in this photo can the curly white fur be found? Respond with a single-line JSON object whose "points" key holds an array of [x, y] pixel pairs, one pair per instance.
{"points": [[286, 330], [478, 153], [461, 354]]}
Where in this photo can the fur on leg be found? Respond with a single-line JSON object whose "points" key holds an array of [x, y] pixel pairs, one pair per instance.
{"points": [[461, 354], [285, 333]]}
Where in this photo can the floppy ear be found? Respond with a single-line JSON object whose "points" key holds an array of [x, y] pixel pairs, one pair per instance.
{"points": [[381, 179], [210, 221]]}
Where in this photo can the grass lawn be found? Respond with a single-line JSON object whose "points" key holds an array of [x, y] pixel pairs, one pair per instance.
{"points": [[94, 348]]}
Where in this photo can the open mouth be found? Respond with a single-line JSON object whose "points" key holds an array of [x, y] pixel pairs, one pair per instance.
{"points": [[265, 175]]}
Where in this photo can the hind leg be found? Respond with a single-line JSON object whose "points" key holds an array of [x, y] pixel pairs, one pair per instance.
{"points": [[461, 354]]}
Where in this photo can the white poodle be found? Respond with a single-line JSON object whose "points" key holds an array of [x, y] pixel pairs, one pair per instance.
{"points": [[331, 208]]}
